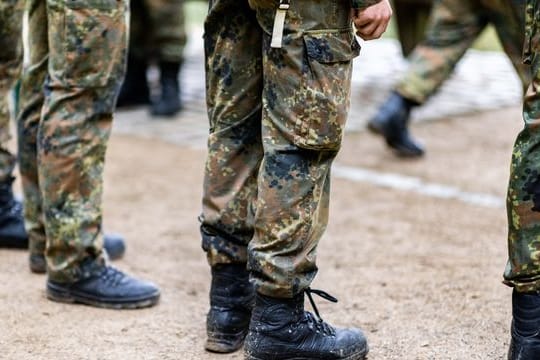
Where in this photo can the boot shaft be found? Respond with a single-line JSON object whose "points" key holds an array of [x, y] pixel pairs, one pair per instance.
{"points": [[169, 72], [525, 343], [6, 193], [231, 302], [231, 286], [169, 102], [526, 313]]}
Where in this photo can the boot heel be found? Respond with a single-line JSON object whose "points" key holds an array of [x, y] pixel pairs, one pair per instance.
{"points": [[221, 342], [59, 295]]}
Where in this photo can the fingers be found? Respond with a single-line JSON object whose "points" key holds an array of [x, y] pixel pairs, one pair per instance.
{"points": [[372, 22], [372, 31]]}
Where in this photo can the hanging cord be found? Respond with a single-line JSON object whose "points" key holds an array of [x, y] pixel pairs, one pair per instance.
{"points": [[320, 293]]}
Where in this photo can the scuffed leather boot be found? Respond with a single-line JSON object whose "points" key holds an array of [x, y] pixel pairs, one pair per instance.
{"points": [[391, 121], [525, 343], [280, 329], [114, 245], [12, 231], [168, 103], [134, 90], [231, 301], [104, 286]]}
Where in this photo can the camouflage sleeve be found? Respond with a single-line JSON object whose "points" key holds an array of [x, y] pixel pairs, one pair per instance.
{"points": [[362, 4]]}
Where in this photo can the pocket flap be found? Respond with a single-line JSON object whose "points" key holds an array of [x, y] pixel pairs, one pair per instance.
{"points": [[331, 47]]}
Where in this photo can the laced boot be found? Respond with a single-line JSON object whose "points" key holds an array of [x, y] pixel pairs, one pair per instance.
{"points": [[12, 231], [525, 342], [134, 90], [114, 246], [104, 286], [280, 329], [168, 103], [391, 122], [231, 301]]}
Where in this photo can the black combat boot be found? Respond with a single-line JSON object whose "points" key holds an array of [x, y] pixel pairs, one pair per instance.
{"points": [[391, 121], [12, 232], [104, 286], [231, 300], [525, 343], [134, 90], [114, 245], [169, 103], [280, 329]]}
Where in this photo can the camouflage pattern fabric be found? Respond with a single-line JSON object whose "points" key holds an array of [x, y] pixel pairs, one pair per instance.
{"points": [[157, 30], [523, 201], [10, 65], [68, 93], [276, 123], [452, 28], [267, 4]]}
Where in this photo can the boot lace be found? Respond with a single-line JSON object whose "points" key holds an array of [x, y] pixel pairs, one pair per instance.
{"points": [[317, 322]]}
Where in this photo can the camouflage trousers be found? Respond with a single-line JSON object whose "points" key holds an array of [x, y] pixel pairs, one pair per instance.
{"points": [[157, 29], [11, 13], [276, 123], [523, 201], [452, 28], [67, 97]]}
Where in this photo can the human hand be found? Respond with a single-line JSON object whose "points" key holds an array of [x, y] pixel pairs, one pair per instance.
{"points": [[372, 21]]}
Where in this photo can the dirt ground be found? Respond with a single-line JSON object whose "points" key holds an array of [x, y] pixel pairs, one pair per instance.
{"points": [[421, 275]]}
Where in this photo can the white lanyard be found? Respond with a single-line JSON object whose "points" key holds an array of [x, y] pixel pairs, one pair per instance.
{"points": [[279, 24]]}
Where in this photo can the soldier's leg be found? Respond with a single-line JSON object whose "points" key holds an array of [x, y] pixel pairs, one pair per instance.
{"points": [[509, 22], [30, 104], [12, 233], [411, 20], [453, 26], [169, 39], [135, 90], [80, 93], [305, 103], [31, 98], [234, 83], [523, 207]]}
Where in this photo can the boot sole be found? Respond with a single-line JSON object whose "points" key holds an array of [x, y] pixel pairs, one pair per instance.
{"points": [[361, 355], [59, 294], [224, 343]]}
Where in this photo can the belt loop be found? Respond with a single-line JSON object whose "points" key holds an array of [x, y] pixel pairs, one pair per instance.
{"points": [[279, 24]]}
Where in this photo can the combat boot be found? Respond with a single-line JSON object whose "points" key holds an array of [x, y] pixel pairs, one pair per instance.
{"points": [[114, 246], [12, 231], [231, 301], [391, 122], [525, 342], [169, 103], [281, 329], [104, 286], [134, 90]]}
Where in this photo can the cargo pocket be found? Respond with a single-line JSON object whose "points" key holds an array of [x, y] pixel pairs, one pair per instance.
{"points": [[324, 96], [87, 40]]}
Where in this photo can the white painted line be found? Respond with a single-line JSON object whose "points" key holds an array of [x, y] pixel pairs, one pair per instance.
{"points": [[417, 185]]}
